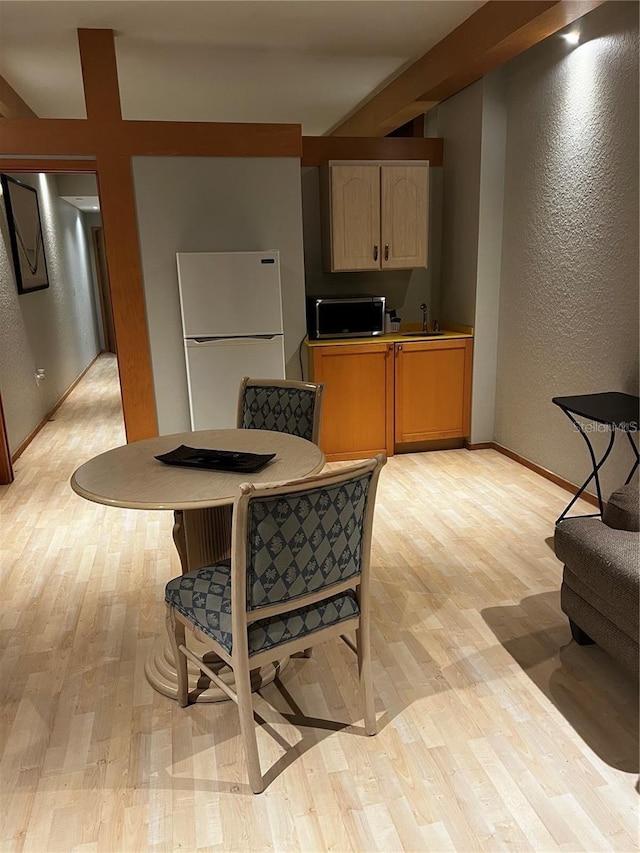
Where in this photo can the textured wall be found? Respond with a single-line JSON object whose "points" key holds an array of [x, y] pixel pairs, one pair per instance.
{"points": [[198, 204], [569, 290], [55, 329]]}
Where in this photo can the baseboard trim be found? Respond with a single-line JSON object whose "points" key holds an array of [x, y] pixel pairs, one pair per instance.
{"points": [[428, 446], [544, 472], [479, 445], [27, 441]]}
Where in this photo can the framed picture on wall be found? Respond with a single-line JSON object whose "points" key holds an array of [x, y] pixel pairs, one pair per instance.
{"points": [[25, 235]]}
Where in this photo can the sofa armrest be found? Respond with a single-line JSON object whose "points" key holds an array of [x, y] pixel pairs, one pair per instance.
{"points": [[600, 555]]}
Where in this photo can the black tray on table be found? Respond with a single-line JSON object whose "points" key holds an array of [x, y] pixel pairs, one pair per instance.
{"points": [[216, 460]]}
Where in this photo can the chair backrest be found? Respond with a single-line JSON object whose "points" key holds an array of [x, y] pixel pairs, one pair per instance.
{"points": [[282, 405], [302, 541]]}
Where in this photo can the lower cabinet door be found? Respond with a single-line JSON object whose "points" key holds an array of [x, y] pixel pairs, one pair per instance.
{"points": [[357, 419], [432, 390]]}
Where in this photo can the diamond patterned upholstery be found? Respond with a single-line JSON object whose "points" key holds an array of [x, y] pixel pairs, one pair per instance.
{"points": [[204, 598], [279, 409], [300, 543]]}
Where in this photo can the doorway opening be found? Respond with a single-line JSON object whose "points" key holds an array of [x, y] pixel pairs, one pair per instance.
{"points": [[49, 338]]}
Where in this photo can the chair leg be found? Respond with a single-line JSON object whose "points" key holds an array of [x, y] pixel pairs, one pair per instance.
{"points": [[242, 675], [366, 679], [175, 629]]}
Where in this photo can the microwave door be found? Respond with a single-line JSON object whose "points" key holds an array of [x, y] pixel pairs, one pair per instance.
{"points": [[349, 318]]}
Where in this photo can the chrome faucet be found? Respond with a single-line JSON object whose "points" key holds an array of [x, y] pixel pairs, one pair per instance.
{"points": [[423, 308]]}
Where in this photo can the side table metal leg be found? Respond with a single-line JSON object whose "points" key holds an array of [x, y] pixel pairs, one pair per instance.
{"points": [[594, 463], [636, 463]]}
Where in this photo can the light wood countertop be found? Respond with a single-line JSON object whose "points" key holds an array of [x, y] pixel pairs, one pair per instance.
{"points": [[395, 337]]}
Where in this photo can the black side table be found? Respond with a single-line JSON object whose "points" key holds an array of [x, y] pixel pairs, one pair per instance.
{"points": [[618, 413]]}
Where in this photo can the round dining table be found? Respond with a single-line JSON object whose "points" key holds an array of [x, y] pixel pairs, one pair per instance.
{"points": [[131, 477]]}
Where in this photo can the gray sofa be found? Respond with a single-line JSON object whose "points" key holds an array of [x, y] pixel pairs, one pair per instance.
{"points": [[600, 582]]}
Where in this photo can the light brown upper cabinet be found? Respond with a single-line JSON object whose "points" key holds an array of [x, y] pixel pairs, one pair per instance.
{"points": [[404, 194], [375, 215]]}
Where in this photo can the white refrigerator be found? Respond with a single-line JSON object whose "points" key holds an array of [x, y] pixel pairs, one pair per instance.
{"points": [[231, 309]]}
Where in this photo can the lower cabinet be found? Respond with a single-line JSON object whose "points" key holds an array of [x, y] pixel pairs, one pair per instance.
{"points": [[357, 419], [432, 390], [381, 395]]}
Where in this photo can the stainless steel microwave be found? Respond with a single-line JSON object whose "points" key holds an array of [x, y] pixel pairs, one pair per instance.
{"points": [[345, 316]]}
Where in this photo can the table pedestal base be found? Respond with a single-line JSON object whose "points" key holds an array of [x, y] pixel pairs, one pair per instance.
{"points": [[160, 670]]}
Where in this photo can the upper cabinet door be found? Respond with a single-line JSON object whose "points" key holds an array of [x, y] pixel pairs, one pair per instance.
{"points": [[405, 193], [355, 217]]}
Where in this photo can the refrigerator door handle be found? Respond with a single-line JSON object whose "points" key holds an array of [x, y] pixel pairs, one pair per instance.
{"points": [[234, 338]]}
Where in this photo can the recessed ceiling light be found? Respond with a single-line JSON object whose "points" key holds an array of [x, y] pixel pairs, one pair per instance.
{"points": [[572, 37]]}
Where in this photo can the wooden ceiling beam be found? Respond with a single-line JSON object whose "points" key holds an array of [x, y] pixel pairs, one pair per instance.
{"points": [[11, 104], [118, 214], [405, 114], [317, 150], [47, 137], [64, 166], [498, 31], [210, 139], [84, 138], [100, 74]]}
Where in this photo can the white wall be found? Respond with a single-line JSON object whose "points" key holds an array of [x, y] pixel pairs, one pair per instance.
{"points": [[55, 329], [199, 204], [490, 227], [569, 290], [459, 122]]}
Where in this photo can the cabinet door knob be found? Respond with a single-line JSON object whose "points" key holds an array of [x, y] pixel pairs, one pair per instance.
{"points": [[375, 252], [399, 346], [386, 252]]}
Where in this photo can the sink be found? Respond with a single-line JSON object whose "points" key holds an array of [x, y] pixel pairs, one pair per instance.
{"points": [[421, 334]]}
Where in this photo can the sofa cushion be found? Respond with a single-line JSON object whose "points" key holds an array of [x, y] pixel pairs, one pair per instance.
{"points": [[605, 560], [622, 511]]}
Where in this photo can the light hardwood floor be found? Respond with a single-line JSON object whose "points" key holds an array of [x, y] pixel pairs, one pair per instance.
{"points": [[495, 731]]}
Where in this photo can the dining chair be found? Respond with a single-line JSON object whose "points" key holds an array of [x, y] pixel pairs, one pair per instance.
{"points": [[298, 576], [283, 405]]}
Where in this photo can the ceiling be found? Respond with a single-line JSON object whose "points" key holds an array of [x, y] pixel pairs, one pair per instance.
{"points": [[302, 61], [86, 203]]}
